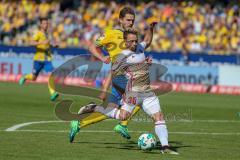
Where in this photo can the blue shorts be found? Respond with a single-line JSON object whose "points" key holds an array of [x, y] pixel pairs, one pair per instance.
{"points": [[119, 84], [39, 65]]}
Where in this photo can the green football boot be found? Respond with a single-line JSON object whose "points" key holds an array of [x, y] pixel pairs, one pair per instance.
{"points": [[123, 130], [54, 96], [22, 81], [74, 129]]}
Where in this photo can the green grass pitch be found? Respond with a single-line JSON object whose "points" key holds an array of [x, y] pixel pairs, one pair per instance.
{"points": [[201, 126]]}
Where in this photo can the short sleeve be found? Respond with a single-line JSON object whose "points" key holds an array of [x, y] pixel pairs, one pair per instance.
{"points": [[143, 45], [102, 40], [36, 36]]}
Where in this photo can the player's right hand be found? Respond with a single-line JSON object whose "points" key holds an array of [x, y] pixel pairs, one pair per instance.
{"points": [[102, 96], [46, 42], [106, 59], [148, 60]]}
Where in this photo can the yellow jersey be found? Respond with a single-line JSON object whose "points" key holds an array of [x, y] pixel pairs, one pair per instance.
{"points": [[43, 52], [112, 41]]}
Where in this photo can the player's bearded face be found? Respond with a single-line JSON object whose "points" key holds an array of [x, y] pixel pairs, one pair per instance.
{"points": [[127, 21], [131, 42]]}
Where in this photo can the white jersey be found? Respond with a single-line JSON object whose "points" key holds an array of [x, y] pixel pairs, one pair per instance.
{"points": [[133, 64], [138, 91]]}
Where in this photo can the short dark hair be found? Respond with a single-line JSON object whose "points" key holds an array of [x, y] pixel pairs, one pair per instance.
{"points": [[43, 19], [129, 31], [126, 10]]}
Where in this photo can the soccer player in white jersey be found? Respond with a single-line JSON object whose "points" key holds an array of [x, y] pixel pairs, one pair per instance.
{"points": [[133, 62]]}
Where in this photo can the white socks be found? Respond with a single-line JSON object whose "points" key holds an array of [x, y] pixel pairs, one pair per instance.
{"points": [[160, 126], [162, 132], [109, 111]]}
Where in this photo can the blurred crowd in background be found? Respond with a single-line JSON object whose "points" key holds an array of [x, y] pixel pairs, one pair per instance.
{"points": [[184, 26]]}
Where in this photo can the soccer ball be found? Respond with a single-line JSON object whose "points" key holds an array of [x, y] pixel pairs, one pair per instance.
{"points": [[146, 141]]}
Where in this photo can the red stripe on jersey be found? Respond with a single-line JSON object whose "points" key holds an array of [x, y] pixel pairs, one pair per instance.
{"points": [[130, 82]]}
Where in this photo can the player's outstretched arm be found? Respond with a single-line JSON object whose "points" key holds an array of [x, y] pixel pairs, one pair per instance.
{"points": [[105, 87], [95, 51], [149, 35], [35, 43]]}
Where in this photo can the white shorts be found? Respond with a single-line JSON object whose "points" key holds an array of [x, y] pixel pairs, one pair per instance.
{"points": [[148, 101]]}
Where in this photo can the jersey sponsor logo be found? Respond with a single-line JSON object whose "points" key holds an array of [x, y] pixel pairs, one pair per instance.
{"points": [[112, 46], [101, 37], [120, 37]]}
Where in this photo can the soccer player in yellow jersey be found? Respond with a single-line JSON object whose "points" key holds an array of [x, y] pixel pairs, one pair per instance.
{"points": [[112, 40], [43, 57]]}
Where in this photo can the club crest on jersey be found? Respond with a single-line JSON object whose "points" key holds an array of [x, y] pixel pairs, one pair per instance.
{"points": [[101, 37]]}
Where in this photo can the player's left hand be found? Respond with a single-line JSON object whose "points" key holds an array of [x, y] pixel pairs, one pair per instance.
{"points": [[106, 59], [55, 45], [102, 96], [148, 60], [153, 24]]}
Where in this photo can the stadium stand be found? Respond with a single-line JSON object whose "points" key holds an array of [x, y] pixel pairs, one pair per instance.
{"points": [[184, 26]]}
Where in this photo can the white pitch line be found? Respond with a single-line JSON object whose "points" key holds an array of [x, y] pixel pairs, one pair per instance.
{"points": [[215, 121], [18, 126], [105, 131], [207, 133]]}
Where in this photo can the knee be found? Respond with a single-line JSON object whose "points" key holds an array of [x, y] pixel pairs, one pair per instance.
{"points": [[112, 105], [158, 116], [161, 116], [124, 116]]}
